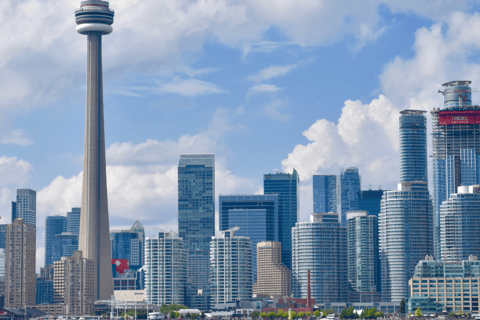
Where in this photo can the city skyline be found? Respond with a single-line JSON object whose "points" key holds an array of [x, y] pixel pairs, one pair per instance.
{"points": [[46, 155]]}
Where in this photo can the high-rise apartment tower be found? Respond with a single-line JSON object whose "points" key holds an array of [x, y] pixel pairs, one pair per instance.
{"points": [[350, 184], [25, 206], [325, 193]]}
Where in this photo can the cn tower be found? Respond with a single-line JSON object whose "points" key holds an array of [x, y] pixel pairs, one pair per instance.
{"points": [[94, 19]]}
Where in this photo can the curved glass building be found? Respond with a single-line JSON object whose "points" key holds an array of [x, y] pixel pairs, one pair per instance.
{"points": [[413, 146], [459, 224]]}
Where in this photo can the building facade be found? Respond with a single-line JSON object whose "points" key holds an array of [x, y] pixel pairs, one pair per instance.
{"points": [[68, 243], [405, 236], [53, 225], [165, 269], [413, 146], [73, 221], [286, 185], [456, 146], [325, 193], [126, 245], [231, 275], [20, 264], [44, 291], [350, 185], [74, 284], [321, 247], [369, 200], [25, 206], [459, 224], [196, 222], [273, 277], [363, 260]]}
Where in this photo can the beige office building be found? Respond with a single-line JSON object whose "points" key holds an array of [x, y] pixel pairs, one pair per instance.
{"points": [[273, 277], [73, 284], [20, 248]]}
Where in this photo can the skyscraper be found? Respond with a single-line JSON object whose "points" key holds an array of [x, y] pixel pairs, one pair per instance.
{"points": [[67, 244], [459, 224], [320, 246], [286, 185], [73, 221], [363, 260], [350, 184], [138, 228], [325, 193], [126, 245], [256, 215], [165, 274], [94, 19], [413, 146], [230, 267], [369, 200], [196, 222], [53, 225], [25, 206], [456, 146]]}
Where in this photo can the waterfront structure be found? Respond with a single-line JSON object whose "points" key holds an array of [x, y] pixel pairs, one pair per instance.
{"points": [[452, 286], [20, 261], [73, 284], [165, 269], [94, 19], [456, 146], [325, 193], [350, 184], [363, 259], [273, 277], [126, 245], [53, 225], [459, 224], [286, 185], [405, 236], [413, 146], [320, 246], [25, 206], [369, 200], [230, 267], [73, 221], [255, 215], [196, 222]]}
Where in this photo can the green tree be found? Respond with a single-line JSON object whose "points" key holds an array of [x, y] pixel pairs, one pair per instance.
{"points": [[379, 314], [348, 313], [402, 306], [254, 314], [177, 314], [418, 312], [271, 314], [294, 314], [263, 314], [307, 314], [326, 312], [317, 313], [172, 314]]}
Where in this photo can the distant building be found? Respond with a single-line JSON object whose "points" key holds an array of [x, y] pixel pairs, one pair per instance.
{"points": [[321, 247], [255, 215], [25, 207], [138, 228], [73, 221], [67, 243], [325, 197], [53, 225], [126, 245], [129, 280], [74, 284], [20, 264], [44, 291], [350, 184], [230, 277], [273, 277], [369, 200], [286, 185], [363, 260], [165, 269], [3, 231]]}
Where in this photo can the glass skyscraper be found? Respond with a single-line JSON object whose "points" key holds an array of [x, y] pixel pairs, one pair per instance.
{"points": [[413, 146], [53, 225], [369, 200], [73, 221], [325, 193], [67, 243], [126, 245], [456, 146], [286, 185], [196, 222], [25, 207], [350, 184]]}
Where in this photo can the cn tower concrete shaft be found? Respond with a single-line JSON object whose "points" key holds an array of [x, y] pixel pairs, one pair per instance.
{"points": [[94, 239]]}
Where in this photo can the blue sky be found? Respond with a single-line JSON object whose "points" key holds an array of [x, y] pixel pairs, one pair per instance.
{"points": [[314, 85]]}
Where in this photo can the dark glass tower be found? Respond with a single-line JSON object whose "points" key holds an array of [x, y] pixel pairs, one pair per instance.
{"points": [[350, 185], [369, 200], [73, 221], [53, 225], [196, 222], [287, 188], [325, 193]]}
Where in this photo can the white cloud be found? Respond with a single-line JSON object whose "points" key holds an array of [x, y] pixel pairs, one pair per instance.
{"points": [[184, 87], [13, 171], [273, 108], [261, 88], [16, 136], [272, 72]]}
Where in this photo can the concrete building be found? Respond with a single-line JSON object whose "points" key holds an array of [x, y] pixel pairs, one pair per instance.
{"points": [[53, 225], [350, 185], [196, 222], [320, 246], [449, 286], [20, 264], [273, 277], [74, 284], [230, 267], [94, 19], [165, 269], [363, 260], [456, 146], [25, 206], [287, 187], [459, 224], [325, 197]]}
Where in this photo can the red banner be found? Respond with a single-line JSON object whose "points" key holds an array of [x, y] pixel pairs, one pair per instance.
{"points": [[122, 265], [458, 117]]}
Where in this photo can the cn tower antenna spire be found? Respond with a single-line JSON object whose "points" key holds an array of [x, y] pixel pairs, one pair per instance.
{"points": [[94, 19]]}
